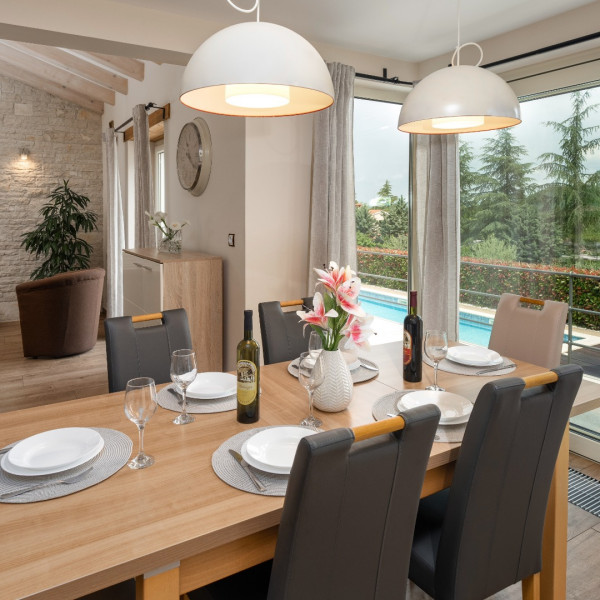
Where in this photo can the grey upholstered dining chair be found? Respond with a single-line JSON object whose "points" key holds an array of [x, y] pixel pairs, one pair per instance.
{"points": [[282, 333], [529, 330], [348, 516], [144, 351], [484, 533]]}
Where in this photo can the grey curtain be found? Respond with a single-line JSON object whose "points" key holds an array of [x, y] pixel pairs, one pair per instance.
{"points": [[332, 227], [144, 183], [435, 220], [114, 227]]}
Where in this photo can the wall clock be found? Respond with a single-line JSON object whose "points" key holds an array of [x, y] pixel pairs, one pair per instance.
{"points": [[194, 156]]}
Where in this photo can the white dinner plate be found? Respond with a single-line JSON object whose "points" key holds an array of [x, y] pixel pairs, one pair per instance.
{"points": [[208, 386], [53, 451], [474, 356], [273, 450], [454, 408]]}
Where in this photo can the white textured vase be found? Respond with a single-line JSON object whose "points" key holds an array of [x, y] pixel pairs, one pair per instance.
{"points": [[335, 393]]}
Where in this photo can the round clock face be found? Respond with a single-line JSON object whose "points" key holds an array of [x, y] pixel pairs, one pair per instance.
{"points": [[193, 156]]}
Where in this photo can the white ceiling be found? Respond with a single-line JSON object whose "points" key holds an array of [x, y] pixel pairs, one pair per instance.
{"points": [[411, 30]]}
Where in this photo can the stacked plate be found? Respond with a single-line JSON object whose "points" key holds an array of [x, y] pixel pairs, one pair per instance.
{"points": [[454, 408], [474, 356], [53, 451], [211, 386], [273, 450]]}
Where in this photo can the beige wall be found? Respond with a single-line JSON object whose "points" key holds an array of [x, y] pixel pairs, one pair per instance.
{"points": [[64, 141]]}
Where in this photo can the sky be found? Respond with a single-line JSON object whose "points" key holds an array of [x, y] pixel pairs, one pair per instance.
{"points": [[381, 151]]}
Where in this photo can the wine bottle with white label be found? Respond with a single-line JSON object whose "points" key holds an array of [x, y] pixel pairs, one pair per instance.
{"points": [[248, 375], [413, 342]]}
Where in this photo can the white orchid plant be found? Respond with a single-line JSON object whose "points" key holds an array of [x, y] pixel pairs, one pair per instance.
{"points": [[159, 220], [337, 313]]}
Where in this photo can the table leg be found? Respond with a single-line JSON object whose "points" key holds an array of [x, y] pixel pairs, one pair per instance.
{"points": [[553, 582], [162, 584]]}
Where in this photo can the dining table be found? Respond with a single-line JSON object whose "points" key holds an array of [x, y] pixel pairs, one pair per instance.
{"points": [[176, 526]]}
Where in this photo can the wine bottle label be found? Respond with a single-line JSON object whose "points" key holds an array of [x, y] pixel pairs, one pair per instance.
{"points": [[246, 382], [407, 343]]}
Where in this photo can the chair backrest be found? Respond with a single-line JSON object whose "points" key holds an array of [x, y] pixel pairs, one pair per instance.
{"points": [[282, 333], [349, 513], [492, 531], [527, 332], [145, 351]]}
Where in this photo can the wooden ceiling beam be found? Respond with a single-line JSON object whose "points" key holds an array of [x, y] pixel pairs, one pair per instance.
{"points": [[45, 71], [130, 67], [14, 72], [73, 64], [156, 124]]}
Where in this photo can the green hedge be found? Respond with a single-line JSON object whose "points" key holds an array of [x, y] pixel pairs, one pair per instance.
{"points": [[480, 276], [390, 263]]}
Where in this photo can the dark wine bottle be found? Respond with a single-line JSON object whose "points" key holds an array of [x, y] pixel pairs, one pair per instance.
{"points": [[413, 342], [248, 375]]}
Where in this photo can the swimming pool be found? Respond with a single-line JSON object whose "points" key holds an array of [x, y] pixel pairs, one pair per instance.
{"points": [[472, 327]]}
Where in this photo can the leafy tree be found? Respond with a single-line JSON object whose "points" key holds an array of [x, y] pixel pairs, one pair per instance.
{"points": [[366, 226], [395, 222], [468, 184], [504, 182], [578, 192], [494, 249], [385, 196]]}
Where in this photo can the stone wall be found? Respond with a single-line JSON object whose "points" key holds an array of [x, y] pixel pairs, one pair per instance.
{"points": [[65, 142]]}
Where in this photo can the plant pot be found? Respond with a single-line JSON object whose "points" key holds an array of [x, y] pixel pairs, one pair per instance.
{"points": [[171, 244], [335, 393]]}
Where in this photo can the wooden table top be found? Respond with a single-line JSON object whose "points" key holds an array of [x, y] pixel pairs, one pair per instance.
{"points": [[137, 521]]}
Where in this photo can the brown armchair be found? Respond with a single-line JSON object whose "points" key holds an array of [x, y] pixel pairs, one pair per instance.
{"points": [[59, 315]]}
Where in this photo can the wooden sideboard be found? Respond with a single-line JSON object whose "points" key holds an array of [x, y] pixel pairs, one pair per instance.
{"points": [[154, 281]]}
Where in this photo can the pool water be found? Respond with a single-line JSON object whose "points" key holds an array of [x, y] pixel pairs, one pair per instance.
{"points": [[474, 333], [469, 329]]}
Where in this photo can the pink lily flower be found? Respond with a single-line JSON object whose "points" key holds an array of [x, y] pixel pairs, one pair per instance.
{"points": [[347, 295], [358, 331], [333, 277], [318, 316]]}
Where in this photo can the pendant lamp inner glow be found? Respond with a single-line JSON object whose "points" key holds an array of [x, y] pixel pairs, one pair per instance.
{"points": [[257, 96], [256, 69]]}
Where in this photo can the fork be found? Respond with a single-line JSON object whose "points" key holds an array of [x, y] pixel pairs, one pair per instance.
{"points": [[496, 368], [66, 480]]}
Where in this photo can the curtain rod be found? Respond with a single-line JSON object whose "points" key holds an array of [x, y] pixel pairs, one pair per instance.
{"points": [[558, 46], [146, 107]]}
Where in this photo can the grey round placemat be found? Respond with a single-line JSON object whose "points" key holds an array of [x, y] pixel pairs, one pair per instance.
{"points": [[168, 400], [358, 375], [230, 471], [387, 404], [452, 367], [114, 455]]}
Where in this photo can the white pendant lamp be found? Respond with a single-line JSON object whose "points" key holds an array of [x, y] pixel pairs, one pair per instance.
{"points": [[256, 70], [460, 99]]}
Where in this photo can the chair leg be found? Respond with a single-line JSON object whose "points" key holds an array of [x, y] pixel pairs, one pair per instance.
{"points": [[531, 587]]}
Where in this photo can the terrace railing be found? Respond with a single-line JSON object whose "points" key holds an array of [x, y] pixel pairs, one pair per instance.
{"points": [[383, 260]]}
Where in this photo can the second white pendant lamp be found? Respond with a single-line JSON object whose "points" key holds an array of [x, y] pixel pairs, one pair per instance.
{"points": [[256, 70], [460, 99]]}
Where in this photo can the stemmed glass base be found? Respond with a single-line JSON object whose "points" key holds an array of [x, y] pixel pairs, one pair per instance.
{"points": [[183, 419], [141, 461], [435, 388], [311, 421]]}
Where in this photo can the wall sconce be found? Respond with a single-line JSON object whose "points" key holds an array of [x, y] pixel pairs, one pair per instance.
{"points": [[24, 153]]}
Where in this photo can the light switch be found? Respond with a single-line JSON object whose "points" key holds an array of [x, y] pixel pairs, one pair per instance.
{"points": [[231, 239]]}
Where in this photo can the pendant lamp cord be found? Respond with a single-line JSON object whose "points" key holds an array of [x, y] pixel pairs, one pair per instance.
{"points": [[256, 8], [459, 46]]}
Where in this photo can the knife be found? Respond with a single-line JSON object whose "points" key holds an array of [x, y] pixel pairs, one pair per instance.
{"points": [[259, 486], [497, 368]]}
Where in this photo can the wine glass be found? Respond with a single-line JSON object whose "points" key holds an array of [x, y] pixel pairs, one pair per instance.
{"points": [[315, 344], [310, 375], [140, 405], [183, 373], [436, 348]]}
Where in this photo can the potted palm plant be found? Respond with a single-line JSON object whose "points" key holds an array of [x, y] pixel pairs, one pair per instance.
{"points": [[60, 309], [56, 237]]}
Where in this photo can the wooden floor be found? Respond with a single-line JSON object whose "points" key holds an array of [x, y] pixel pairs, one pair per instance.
{"points": [[33, 382]]}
